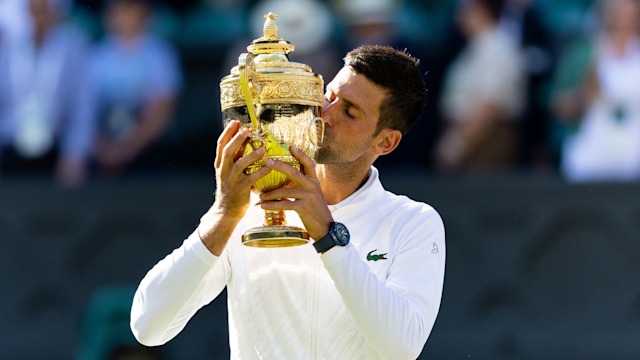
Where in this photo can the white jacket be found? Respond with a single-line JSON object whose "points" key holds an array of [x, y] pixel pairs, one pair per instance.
{"points": [[291, 303]]}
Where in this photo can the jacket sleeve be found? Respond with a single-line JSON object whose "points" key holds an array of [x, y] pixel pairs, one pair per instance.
{"points": [[175, 289], [395, 314]]}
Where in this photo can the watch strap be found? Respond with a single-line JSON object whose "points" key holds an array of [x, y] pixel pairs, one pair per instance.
{"points": [[325, 243]]}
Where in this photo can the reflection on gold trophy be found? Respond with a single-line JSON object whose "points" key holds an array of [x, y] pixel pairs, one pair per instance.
{"points": [[282, 102]]}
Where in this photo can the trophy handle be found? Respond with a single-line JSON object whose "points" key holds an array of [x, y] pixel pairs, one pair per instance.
{"points": [[314, 139], [247, 69]]}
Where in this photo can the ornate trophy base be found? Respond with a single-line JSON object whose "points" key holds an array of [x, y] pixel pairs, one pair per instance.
{"points": [[275, 236]]}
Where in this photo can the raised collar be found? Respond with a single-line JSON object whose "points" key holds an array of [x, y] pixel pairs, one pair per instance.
{"points": [[368, 192]]}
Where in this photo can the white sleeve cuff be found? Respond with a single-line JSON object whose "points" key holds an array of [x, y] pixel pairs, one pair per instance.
{"points": [[195, 245]]}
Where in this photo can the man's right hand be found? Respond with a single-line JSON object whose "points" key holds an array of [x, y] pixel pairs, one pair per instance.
{"points": [[233, 187]]}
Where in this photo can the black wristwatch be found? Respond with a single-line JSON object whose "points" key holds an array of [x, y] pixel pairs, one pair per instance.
{"points": [[338, 235]]}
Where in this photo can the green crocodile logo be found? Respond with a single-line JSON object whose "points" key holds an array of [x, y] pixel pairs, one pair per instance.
{"points": [[375, 257]]}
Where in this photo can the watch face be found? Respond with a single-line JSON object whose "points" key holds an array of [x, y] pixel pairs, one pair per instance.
{"points": [[341, 234]]}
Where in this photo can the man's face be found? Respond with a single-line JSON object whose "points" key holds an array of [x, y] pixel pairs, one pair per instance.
{"points": [[42, 14], [127, 19], [351, 110]]}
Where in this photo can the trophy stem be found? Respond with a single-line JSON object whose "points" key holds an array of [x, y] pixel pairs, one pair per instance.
{"points": [[274, 217], [275, 232]]}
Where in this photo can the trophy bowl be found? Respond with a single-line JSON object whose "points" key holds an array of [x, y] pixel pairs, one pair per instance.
{"points": [[281, 101]]}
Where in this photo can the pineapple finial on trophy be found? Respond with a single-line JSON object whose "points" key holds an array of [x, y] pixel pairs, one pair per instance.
{"points": [[270, 44], [270, 29]]}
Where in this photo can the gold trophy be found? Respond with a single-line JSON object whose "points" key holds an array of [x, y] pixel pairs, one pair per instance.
{"points": [[282, 102]]}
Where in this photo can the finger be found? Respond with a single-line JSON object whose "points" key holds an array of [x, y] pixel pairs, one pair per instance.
{"points": [[283, 193], [308, 164], [253, 178], [252, 157], [230, 149], [280, 204], [292, 173], [229, 131]]}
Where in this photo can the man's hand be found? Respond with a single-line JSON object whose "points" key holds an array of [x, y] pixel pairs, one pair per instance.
{"points": [[232, 184], [305, 198], [233, 187]]}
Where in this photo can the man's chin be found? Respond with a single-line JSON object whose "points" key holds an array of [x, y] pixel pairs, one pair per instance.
{"points": [[323, 156]]}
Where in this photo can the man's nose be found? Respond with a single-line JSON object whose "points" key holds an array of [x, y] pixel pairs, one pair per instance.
{"points": [[327, 112]]}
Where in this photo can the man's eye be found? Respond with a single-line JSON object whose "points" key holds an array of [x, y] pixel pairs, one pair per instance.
{"points": [[350, 112]]}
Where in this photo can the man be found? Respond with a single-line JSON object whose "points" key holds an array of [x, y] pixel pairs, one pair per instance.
{"points": [[138, 77], [46, 100], [483, 95], [373, 294]]}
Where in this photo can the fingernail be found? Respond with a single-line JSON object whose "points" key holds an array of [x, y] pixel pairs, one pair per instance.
{"points": [[270, 162], [294, 148]]}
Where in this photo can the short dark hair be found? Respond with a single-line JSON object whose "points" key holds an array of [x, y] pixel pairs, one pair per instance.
{"points": [[399, 74]]}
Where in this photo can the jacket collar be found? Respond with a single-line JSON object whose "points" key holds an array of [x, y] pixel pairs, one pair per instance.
{"points": [[367, 194]]}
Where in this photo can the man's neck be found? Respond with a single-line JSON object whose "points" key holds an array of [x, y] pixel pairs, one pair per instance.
{"points": [[338, 183]]}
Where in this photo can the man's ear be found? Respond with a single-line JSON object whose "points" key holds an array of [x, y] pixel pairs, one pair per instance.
{"points": [[386, 141]]}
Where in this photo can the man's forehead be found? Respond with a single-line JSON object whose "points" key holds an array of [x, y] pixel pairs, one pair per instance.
{"points": [[354, 86], [349, 81], [343, 77]]}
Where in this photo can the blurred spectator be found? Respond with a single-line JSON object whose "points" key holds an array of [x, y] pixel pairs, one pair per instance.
{"points": [[372, 22], [522, 21], [597, 95], [308, 24], [368, 22], [483, 95], [138, 79], [46, 110]]}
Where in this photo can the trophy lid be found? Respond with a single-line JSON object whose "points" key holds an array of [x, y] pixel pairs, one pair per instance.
{"points": [[273, 79]]}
